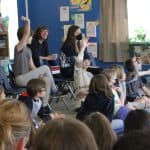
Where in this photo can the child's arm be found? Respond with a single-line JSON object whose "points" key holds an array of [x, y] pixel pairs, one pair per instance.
{"points": [[121, 95], [146, 91], [143, 73], [26, 33], [57, 116]]}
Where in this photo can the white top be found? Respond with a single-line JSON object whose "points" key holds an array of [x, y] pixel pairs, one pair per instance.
{"points": [[36, 107], [82, 77]]}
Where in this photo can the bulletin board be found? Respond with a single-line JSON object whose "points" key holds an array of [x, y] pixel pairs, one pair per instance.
{"points": [[58, 15]]}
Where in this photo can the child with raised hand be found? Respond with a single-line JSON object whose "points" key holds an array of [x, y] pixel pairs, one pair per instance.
{"points": [[24, 68], [82, 77], [136, 59], [120, 110], [36, 91], [120, 79], [134, 80]]}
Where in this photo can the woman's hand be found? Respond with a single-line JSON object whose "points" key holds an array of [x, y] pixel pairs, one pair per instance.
{"points": [[84, 42]]}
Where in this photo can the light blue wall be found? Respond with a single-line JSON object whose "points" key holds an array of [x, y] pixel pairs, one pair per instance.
{"points": [[46, 12]]}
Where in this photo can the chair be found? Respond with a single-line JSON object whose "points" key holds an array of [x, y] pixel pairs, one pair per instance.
{"points": [[62, 82], [65, 81], [6, 82]]}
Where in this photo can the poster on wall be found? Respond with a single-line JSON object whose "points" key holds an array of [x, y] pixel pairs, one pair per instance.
{"points": [[90, 29], [64, 13], [79, 20], [92, 48], [80, 5], [66, 27]]}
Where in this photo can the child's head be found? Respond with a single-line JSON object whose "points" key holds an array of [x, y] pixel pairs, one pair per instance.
{"points": [[100, 83], [121, 75], [111, 75], [66, 134], [101, 128], [41, 33], [36, 88], [135, 140], [2, 93], [129, 66], [86, 63], [20, 33], [137, 120], [15, 124]]}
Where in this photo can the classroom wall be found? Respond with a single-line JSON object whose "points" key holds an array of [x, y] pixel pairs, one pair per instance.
{"points": [[46, 12], [21, 11]]}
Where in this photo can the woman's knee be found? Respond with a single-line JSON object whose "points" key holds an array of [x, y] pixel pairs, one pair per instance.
{"points": [[45, 67]]}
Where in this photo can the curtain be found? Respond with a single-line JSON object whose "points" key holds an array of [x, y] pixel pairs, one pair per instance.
{"points": [[0, 9], [114, 31]]}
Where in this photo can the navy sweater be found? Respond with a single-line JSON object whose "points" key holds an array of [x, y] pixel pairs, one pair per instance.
{"points": [[97, 103]]}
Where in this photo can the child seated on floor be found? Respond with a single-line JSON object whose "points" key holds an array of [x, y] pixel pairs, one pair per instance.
{"points": [[121, 78], [82, 77], [36, 91], [138, 66], [120, 109], [135, 88], [100, 99]]}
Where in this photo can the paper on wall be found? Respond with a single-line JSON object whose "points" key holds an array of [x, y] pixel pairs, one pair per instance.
{"points": [[90, 29], [92, 48], [79, 20], [64, 13], [66, 27]]}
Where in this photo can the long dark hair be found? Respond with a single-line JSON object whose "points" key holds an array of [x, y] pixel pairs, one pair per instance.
{"points": [[70, 35]]}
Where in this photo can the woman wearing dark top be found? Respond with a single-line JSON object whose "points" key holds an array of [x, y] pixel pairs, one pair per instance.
{"points": [[71, 47], [99, 99], [39, 47], [41, 56]]}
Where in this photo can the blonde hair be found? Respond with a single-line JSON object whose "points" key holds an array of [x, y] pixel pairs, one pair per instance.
{"points": [[119, 69], [110, 73], [15, 123]]}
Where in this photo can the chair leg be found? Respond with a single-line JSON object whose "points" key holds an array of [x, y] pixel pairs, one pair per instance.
{"points": [[50, 107], [58, 99], [65, 103], [70, 89]]}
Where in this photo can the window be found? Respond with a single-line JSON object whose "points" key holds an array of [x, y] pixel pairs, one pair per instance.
{"points": [[9, 8], [139, 21]]}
